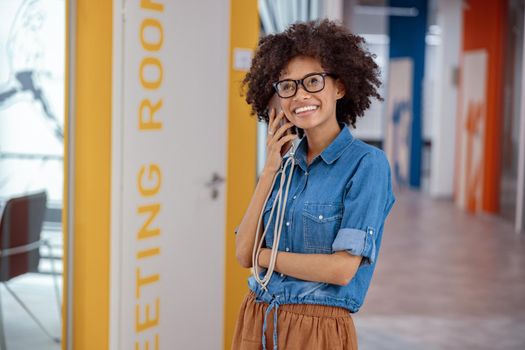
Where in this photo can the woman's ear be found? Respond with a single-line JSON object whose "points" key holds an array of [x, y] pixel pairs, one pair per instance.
{"points": [[339, 89]]}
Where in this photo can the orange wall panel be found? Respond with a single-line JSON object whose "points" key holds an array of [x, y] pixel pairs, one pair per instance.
{"points": [[484, 29]]}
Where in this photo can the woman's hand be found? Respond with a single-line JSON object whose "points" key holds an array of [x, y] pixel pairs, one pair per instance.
{"points": [[278, 141]]}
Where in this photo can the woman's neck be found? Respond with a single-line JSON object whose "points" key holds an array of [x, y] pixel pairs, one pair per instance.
{"points": [[319, 138]]}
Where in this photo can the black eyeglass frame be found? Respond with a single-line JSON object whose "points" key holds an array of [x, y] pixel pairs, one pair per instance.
{"points": [[300, 81]]}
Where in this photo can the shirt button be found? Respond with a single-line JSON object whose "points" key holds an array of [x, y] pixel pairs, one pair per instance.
{"points": [[320, 217], [288, 223], [287, 249], [306, 173], [294, 197]]}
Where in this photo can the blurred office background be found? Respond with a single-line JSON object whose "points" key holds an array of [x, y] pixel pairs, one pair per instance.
{"points": [[451, 273]]}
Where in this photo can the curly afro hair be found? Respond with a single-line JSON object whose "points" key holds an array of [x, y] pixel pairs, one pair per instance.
{"points": [[339, 52]]}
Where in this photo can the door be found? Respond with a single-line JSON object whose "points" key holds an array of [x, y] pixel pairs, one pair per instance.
{"points": [[169, 159]]}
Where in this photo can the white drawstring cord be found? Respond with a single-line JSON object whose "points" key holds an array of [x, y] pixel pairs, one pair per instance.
{"points": [[257, 247]]}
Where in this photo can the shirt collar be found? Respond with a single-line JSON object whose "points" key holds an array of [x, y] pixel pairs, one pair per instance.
{"points": [[331, 153]]}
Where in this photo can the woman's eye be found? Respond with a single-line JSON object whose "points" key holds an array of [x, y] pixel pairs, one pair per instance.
{"points": [[286, 86], [313, 81]]}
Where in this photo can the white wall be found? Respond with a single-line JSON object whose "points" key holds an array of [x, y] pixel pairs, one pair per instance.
{"points": [[443, 111], [374, 28]]}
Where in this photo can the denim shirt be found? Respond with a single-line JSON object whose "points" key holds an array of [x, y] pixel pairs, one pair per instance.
{"points": [[338, 202]]}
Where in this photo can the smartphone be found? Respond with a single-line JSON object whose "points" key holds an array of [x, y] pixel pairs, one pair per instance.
{"points": [[276, 104]]}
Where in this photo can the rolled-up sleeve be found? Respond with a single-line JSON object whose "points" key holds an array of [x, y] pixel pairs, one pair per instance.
{"points": [[367, 201]]}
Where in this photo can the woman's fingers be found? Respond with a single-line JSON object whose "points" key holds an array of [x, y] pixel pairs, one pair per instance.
{"points": [[287, 147], [271, 131], [274, 125], [279, 133], [283, 130], [272, 117], [278, 140], [277, 143], [284, 144], [284, 139]]}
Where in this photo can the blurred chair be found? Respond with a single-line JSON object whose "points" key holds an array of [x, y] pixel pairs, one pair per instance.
{"points": [[20, 242]]}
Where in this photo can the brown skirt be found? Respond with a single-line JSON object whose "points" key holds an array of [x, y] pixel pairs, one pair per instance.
{"points": [[300, 327]]}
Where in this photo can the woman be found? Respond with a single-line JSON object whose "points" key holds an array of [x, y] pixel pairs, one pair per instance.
{"points": [[339, 195]]}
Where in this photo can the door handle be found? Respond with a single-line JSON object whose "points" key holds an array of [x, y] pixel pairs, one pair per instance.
{"points": [[214, 183]]}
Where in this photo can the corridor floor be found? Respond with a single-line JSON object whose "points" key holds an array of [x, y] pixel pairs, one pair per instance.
{"points": [[445, 280]]}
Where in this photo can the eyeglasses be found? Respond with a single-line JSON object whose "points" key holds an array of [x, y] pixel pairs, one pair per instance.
{"points": [[313, 82]]}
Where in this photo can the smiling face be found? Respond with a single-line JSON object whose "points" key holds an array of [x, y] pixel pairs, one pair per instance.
{"points": [[311, 111]]}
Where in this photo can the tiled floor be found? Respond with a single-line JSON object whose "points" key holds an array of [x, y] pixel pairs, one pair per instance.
{"points": [[37, 291], [445, 280], [21, 332]]}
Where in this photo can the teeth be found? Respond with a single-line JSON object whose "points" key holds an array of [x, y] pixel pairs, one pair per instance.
{"points": [[305, 108]]}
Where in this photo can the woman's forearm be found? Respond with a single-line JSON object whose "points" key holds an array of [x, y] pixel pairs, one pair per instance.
{"points": [[245, 237], [337, 268]]}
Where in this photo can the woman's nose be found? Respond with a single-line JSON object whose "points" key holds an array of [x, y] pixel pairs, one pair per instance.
{"points": [[301, 93]]}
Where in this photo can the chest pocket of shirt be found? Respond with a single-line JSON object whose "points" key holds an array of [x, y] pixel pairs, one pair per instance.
{"points": [[321, 221]]}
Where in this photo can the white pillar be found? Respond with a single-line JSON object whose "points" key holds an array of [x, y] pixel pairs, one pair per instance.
{"points": [[333, 9], [443, 117], [520, 203]]}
